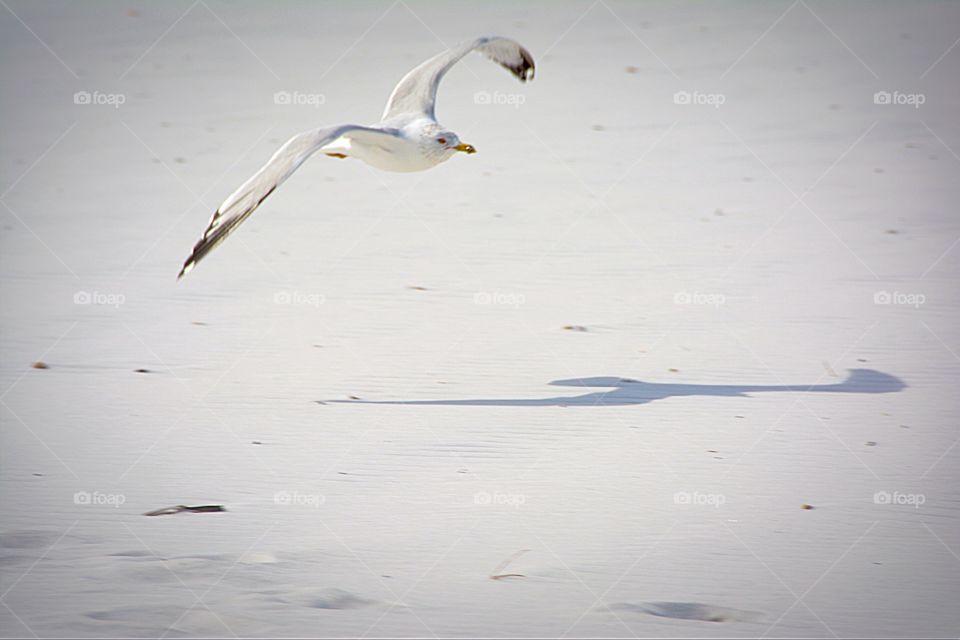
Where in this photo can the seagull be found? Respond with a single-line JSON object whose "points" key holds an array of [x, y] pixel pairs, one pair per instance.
{"points": [[407, 138]]}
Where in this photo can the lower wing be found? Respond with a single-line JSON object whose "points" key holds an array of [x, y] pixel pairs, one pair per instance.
{"points": [[245, 200]]}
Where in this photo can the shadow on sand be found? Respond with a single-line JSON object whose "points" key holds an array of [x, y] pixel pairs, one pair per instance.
{"points": [[627, 391]]}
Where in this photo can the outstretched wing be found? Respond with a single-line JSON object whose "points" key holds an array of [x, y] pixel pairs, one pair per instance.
{"points": [[244, 201], [416, 94]]}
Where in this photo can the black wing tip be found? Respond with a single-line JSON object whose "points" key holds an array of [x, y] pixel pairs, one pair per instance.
{"points": [[186, 268], [528, 68], [196, 255], [525, 69]]}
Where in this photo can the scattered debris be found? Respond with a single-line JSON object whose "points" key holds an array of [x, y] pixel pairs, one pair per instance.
{"points": [[40, 365], [672, 370], [255, 442], [354, 397], [417, 288], [497, 573], [142, 371], [207, 508], [574, 327], [806, 506]]}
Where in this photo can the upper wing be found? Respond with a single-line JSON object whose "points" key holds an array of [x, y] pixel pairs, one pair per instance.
{"points": [[242, 202], [417, 92]]}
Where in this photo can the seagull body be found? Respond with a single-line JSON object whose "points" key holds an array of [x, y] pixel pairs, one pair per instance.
{"points": [[407, 138]]}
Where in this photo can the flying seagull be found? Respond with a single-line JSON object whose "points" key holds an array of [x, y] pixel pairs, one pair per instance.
{"points": [[407, 138]]}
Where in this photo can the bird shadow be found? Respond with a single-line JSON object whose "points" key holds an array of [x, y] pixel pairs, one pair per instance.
{"points": [[626, 391]]}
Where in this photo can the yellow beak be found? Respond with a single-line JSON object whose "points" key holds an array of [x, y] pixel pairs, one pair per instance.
{"points": [[466, 148]]}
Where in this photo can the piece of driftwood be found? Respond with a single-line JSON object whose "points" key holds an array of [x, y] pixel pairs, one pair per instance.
{"points": [[206, 508]]}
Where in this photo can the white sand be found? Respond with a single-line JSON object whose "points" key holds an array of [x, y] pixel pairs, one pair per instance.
{"points": [[594, 203]]}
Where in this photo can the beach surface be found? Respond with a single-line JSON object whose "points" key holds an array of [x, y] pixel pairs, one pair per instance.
{"points": [[675, 354]]}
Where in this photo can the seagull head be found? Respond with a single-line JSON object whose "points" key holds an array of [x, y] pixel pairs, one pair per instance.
{"points": [[442, 143]]}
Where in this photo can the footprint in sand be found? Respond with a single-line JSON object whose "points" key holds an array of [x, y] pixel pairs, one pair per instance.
{"points": [[689, 611], [334, 598], [27, 539]]}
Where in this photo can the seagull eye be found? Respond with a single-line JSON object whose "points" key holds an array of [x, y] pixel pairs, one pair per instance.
{"points": [[442, 140]]}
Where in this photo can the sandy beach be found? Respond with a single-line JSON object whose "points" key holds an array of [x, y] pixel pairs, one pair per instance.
{"points": [[675, 354]]}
